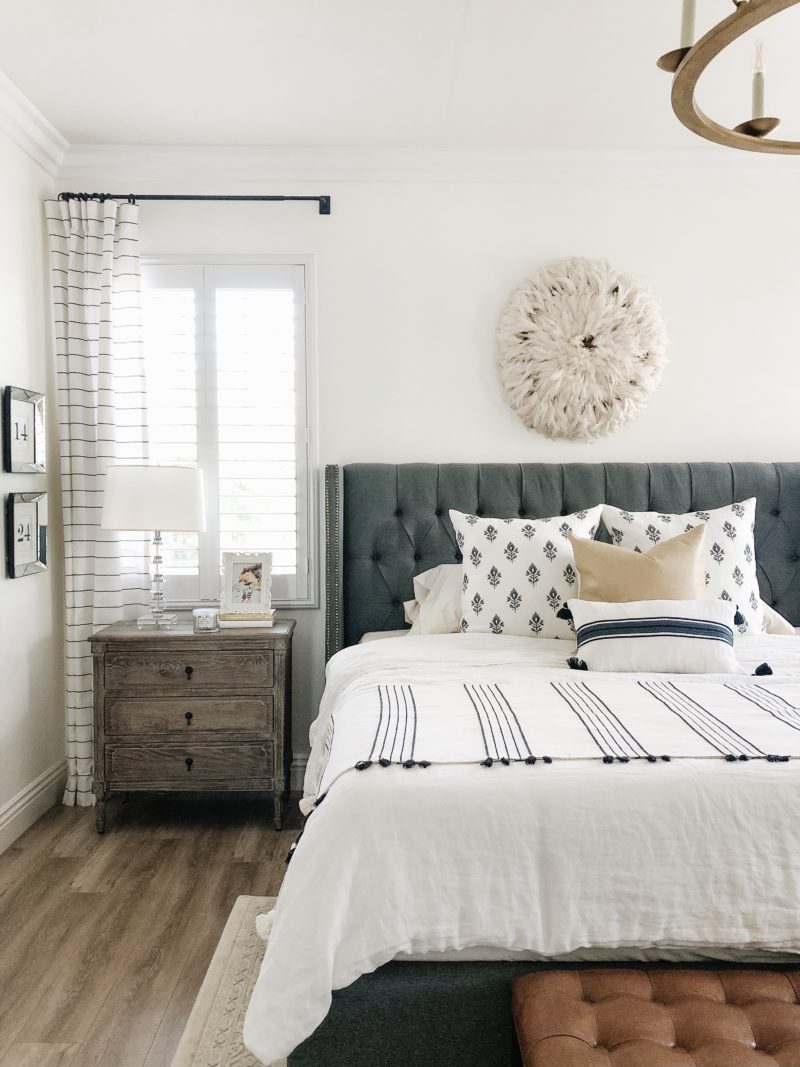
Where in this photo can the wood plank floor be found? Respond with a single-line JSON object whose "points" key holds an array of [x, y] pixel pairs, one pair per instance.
{"points": [[104, 941]]}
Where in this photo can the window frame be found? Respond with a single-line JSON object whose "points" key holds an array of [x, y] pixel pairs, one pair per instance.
{"points": [[307, 473]]}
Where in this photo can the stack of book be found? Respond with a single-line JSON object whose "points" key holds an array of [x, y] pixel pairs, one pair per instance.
{"points": [[246, 619]]}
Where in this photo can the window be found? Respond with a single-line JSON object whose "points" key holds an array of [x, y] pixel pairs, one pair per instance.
{"points": [[227, 388]]}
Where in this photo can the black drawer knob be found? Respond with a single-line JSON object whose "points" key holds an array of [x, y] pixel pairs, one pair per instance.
{"points": [[189, 761], [189, 716], [189, 673]]}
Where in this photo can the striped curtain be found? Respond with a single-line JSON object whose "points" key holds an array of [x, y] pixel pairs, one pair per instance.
{"points": [[94, 262]]}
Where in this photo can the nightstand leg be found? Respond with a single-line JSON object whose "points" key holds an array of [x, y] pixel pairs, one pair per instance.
{"points": [[100, 816], [279, 807]]}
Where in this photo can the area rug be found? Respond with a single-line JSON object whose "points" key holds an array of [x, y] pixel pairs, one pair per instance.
{"points": [[213, 1034]]}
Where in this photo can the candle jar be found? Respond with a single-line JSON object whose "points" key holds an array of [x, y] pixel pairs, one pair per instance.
{"points": [[206, 620]]}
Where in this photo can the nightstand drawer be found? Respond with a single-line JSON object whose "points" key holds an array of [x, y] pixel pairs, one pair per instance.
{"points": [[149, 715], [189, 763], [189, 670]]}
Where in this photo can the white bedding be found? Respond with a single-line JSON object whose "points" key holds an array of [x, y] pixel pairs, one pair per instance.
{"points": [[694, 856]]}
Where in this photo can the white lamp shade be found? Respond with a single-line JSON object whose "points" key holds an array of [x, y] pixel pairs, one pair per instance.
{"points": [[154, 498]]}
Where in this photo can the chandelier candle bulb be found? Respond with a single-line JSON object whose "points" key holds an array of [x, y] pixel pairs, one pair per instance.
{"points": [[687, 23], [758, 83]]}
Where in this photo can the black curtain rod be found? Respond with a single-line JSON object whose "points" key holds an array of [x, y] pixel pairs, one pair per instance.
{"points": [[323, 201]]}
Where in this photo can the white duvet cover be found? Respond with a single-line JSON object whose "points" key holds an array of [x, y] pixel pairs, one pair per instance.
{"points": [[577, 858]]}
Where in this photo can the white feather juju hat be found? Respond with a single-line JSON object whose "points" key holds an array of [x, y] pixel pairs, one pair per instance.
{"points": [[581, 349]]}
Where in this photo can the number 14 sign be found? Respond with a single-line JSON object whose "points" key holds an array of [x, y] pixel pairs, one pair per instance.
{"points": [[23, 431]]}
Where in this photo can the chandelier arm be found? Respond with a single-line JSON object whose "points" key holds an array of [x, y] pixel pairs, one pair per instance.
{"points": [[698, 58]]}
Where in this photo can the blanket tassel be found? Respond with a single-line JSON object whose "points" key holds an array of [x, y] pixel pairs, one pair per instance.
{"points": [[762, 670]]}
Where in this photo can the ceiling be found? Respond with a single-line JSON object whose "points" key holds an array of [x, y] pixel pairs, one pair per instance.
{"points": [[521, 74]]}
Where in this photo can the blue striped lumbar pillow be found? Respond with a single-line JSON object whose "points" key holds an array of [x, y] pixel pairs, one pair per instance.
{"points": [[656, 636]]}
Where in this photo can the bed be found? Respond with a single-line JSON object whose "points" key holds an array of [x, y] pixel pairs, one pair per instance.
{"points": [[417, 893]]}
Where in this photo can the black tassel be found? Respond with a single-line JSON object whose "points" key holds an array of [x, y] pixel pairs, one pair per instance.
{"points": [[487, 762], [385, 762], [576, 664], [608, 759], [505, 761], [530, 760], [624, 759], [783, 759], [730, 758], [564, 613], [409, 763], [652, 759], [547, 759], [363, 764], [738, 618], [423, 763], [666, 759], [772, 759], [294, 845], [762, 670], [743, 758]]}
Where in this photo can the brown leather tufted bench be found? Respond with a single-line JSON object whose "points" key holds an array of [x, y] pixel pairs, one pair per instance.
{"points": [[642, 1017]]}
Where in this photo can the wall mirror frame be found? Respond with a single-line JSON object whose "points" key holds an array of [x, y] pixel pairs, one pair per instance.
{"points": [[26, 534], [24, 431]]}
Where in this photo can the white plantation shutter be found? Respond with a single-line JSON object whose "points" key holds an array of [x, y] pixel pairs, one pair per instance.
{"points": [[225, 351]]}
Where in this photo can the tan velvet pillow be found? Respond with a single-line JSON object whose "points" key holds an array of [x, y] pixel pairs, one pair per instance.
{"points": [[671, 570]]}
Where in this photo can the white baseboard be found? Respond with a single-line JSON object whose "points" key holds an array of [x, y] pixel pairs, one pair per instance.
{"points": [[22, 811], [298, 771]]}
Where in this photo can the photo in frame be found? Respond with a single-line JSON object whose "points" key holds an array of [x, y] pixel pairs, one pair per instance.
{"points": [[246, 586], [24, 431], [26, 534]]}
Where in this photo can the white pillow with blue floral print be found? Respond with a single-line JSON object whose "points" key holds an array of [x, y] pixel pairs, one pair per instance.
{"points": [[519, 573], [730, 555]]}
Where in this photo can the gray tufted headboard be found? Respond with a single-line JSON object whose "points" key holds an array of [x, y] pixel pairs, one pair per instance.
{"points": [[386, 523]]}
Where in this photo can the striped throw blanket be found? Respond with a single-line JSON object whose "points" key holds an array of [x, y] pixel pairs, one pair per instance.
{"points": [[612, 719]]}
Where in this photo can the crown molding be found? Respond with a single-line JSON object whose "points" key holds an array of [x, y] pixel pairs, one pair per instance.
{"points": [[29, 129], [143, 167]]}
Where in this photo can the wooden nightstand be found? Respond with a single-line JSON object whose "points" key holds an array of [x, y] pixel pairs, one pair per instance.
{"points": [[179, 711]]}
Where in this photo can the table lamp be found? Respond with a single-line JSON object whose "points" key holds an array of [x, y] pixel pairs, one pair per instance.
{"points": [[158, 499]]}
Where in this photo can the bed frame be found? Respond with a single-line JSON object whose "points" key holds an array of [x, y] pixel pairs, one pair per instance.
{"points": [[385, 524]]}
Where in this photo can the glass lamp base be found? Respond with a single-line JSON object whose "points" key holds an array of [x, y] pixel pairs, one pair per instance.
{"points": [[150, 622]]}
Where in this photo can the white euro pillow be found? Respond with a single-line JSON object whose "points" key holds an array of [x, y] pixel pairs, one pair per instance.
{"points": [[436, 608]]}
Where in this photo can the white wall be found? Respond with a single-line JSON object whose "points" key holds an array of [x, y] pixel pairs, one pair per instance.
{"points": [[411, 277], [31, 624]]}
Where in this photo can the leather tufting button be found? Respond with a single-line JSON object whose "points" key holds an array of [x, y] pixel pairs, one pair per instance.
{"points": [[776, 512], [375, 557], [417, 557], [521, 513], [398, 514], [438, 513], [479, 513], [795, 558], [396, 603]]}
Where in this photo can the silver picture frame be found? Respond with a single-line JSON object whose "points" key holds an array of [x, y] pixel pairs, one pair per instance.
{"points": [[24, 431], [26, 534]]}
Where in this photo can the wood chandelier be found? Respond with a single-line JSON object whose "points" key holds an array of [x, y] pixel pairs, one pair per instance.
{"points": [[689, 62]]}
